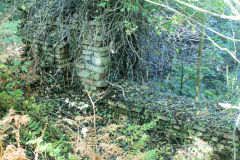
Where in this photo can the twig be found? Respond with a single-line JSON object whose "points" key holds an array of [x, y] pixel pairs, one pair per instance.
{"points": [[94, 111], [123, 92], [36, 152]]}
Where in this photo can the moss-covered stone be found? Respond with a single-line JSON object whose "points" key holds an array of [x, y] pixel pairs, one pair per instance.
{"points": [[87, 52], [101, 61], [97, 69]]}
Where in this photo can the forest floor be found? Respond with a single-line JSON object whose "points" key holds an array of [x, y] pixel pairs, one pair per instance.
{"points": [[127, 118]]}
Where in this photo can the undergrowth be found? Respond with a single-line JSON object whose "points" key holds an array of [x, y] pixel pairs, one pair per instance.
{"points": [[11, 125], [30, 131]]}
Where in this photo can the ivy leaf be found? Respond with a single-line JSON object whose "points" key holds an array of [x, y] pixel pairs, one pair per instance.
{"points": [[122, 10], [103, 4], [18, 93], [159, 33], [177, 50], [193, 30], [128, 32], [23, 7]]}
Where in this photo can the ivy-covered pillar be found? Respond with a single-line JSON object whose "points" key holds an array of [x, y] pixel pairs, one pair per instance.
{"points": [[53, 56], [56, 56], [93, 65]]}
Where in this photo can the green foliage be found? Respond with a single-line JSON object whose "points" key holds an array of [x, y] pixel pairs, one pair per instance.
{"points": [[137, 139], [15, 92], [8, 32], [54, 150], [11, 93], [8, 26], [181, 79], [32, 130]]}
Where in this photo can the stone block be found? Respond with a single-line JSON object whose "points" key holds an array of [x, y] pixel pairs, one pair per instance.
{"points": [[85, 47], [96, 76], [84, 73], [101, 54], [96, 49], [87, 74], [62, 65], [92, 43], [224, 141], [97, 69], [87, 52], [92, 36], [227, 136], [215, 139], [61, 61], [176, 127], [87, 58], [101, 49], [80, 65], [101, 61], [61, 56], [101, 83]]}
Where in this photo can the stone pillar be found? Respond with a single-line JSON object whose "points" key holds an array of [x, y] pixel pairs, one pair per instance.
{"points": [[57, 56], [93, 65], [61, 55]]}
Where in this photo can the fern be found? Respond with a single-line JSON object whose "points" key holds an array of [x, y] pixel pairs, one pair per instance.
{"points": [[32, 130], [137, 141]]}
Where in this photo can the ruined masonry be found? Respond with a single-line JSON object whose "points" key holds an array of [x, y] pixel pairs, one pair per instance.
{"points": [[92, 63], [92, 66], [56, 56]]}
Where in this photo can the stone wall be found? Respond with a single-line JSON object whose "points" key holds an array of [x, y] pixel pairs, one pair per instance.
{"points": [[55, 57], [206, 127], [202, 141], [92, 66], [92, 63]]}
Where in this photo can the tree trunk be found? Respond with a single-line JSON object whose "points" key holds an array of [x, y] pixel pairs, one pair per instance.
{"points": [[199, 61]]}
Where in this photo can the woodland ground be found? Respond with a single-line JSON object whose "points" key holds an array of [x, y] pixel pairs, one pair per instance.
{"points": [[45, 118]]}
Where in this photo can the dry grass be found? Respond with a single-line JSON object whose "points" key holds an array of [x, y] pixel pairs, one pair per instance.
{"points": [[12, 123], [100, 144], [88, 143]]}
